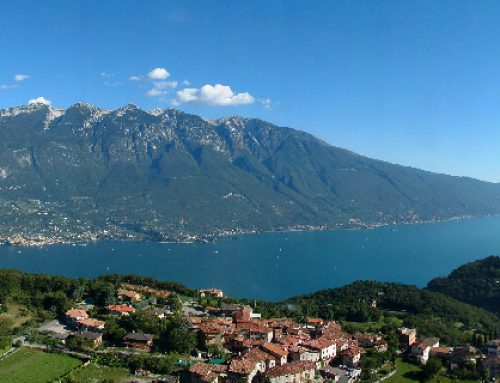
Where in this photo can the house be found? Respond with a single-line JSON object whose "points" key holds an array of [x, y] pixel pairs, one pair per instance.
{"points": [[120, 310], [214, 293], [248, 367], [315, 322], [419, 352], [493, 347], [255, 331], [295, 372], [431, 342], [463, 354], [208, 373], [298, 353], [90, 325], [367, 340], [74, 315], [139, 341], [351, 356], [92, 337], [242, 316], [407, 336], [212, 333], [157, 312], [280, 353], [129, 295], [327, 348], [441, 352]]}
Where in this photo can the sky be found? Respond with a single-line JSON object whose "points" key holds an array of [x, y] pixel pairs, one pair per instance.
{"points": [[410, 82]]}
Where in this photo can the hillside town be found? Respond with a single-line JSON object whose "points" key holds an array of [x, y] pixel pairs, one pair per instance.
{"points": [[235, 344]]}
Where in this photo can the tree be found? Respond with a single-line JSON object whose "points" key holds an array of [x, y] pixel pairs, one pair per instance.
{"points": [[432, 368], [178, 338]]}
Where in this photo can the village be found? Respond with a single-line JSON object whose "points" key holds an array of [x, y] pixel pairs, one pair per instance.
{"points": [[234, 344]]}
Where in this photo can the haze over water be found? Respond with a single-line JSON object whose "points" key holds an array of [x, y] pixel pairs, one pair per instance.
{"points": [[274, 266]]}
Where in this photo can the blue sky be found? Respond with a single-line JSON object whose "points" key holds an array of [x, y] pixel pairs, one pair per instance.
{"points": [[410, 82]]}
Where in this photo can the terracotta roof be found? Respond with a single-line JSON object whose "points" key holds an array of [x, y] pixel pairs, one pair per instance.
{"points": [[206, 371], [77, 313], [291, 368], [121, 308], [274, 349], [315, 321], [319, 344], [440, 350], [246, 363], [212, 328], [351, 352], [126, 293]]}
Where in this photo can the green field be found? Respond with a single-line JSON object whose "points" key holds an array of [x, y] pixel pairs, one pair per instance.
{"points": [[97, 373], [33, 366], [406, 373]]}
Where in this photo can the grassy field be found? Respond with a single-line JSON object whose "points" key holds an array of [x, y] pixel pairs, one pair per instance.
{"points": [[35, 366], [407, 373], [94, 373], [16, 313]]}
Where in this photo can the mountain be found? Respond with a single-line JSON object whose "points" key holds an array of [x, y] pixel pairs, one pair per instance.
{"points": [[476, 283], [86, 172]]}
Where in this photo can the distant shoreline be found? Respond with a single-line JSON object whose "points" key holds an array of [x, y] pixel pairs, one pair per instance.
{"points": [[39, 241]]}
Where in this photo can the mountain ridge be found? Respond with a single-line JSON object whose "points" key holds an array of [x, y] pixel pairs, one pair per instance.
{"points": [[86, 172]]}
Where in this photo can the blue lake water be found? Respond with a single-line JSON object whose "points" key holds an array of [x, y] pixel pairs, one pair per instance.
{"points": [[278, 265]]}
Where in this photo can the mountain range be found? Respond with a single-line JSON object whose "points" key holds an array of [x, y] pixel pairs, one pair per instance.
{"points": [[86, 172]]}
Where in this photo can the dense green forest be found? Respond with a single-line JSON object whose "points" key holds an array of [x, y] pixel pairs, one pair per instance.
{"points": [[476, 283], [433, 314]]}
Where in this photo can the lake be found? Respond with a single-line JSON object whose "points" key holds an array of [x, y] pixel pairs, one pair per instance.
{"points": [[278, 265]]}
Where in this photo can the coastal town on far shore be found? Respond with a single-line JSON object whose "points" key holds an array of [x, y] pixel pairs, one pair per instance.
{"points": [[234, 344]]}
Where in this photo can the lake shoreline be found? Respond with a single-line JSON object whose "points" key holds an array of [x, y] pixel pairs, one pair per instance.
{"points": [[23, 241]]}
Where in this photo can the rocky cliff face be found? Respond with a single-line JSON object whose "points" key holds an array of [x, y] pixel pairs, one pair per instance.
{"points": [[86, 172]]}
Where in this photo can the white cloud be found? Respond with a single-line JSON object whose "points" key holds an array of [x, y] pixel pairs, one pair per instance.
{"points": [[267, 103], [39, 100], [212, 95], [161, 88], [8, 86], [158, 74], [135, 78], [186, 82], [21, 77], [107, 74]]}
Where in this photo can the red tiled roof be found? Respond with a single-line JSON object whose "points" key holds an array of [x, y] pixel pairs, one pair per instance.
{"points": [[121, 308], [77, 313], [275, 349], [126, 293], [206, 371]]}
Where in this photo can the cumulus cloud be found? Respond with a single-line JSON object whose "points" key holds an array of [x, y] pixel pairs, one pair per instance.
{"points": [[39, 100], [135, 78], [107, 74], [21, 77], [158, 74], [212, 95]]}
